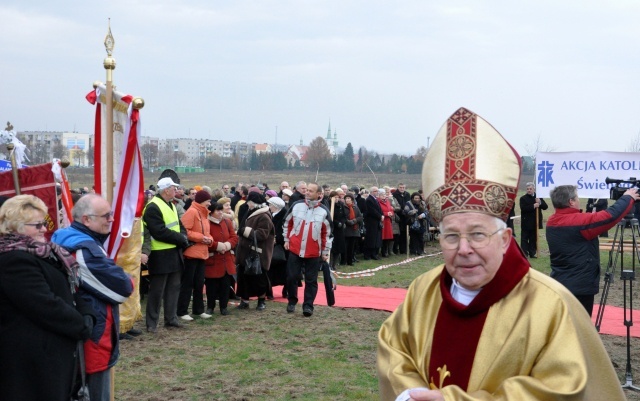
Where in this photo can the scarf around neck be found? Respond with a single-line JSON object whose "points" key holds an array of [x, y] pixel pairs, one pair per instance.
{"points": [[43, 250]]}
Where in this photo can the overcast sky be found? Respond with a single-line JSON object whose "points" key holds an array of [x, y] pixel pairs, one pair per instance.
{"points": [[387, 74]]}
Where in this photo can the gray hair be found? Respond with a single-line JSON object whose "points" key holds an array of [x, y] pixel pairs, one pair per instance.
{"points": [[562, 194], [84, 207], [529, 184]]}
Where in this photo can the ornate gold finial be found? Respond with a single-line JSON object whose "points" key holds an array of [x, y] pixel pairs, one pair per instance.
{"points": [[109, 41], [9, 127], [138, 103], [444, 373]]}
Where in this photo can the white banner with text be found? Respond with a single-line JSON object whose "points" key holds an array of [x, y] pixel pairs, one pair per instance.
{"points": [[586, 170]]}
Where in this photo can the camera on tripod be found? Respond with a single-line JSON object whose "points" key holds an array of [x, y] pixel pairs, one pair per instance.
{"points": [[621, 186]]}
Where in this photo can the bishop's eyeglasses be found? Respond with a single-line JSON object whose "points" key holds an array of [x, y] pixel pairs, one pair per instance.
{"points": [[476, 239]]}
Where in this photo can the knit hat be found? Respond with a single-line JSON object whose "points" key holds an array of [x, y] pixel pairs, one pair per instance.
{"points": [[277, 202], [202, 196], [271, 193], [255, 189], [470, 167], [256, 197]]}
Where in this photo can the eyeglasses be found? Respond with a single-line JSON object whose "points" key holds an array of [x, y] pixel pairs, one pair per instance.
{"points": [[104, 216], [476, 240], [38, 225]]}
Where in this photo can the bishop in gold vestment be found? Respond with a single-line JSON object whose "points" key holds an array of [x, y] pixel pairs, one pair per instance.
{"points": [[485, 326], [537, 343]]}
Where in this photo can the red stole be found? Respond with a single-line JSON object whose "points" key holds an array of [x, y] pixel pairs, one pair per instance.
{"points": [[458, 327]]}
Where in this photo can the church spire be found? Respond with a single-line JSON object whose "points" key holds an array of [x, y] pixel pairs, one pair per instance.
{"points": [[329, 132]]}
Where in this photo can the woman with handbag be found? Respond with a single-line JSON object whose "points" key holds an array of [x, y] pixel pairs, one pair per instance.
{"points": [[416, 210], [257, 236], [195, 222], [278, 269], [221, 264], [42, 319]]}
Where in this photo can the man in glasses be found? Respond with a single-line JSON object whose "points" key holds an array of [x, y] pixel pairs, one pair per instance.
{"points": [[484, 325], [103, 284], [165, 263]]}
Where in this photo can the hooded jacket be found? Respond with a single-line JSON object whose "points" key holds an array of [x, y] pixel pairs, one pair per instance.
{"points": [[103, 285]]}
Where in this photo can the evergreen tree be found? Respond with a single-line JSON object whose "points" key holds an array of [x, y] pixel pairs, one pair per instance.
{"points": [[348, 163]]}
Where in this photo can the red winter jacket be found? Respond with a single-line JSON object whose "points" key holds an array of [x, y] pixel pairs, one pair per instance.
{"points": [[220, 260], [307, 228]]}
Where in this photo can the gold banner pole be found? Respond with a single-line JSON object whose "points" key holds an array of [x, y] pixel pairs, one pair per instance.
{"points": [[14, 167], [109, 65]]}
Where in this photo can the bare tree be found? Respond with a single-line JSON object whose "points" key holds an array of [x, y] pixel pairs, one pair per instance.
{"points": [[38, 153], [634, 145], [180, 157], [318, 154], [421, 154], [59, 151], [78, 157], [537, 145], [149, 154], [166, 156]]}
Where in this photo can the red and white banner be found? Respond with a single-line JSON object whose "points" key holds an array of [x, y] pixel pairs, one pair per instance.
{"points": [[37, 181], [128, 196]]}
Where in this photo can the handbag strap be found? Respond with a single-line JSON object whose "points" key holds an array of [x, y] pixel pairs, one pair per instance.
{"points": [[83, 373], [255, 241]]}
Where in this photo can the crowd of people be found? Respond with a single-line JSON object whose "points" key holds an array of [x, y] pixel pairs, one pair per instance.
{"points": [[59, 299], [200, 237]]}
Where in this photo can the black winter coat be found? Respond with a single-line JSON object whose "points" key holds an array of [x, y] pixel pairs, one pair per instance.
{"points": [[528, 212], [39, 329], [340, 215], [372, 220], [402, 199], [167, 260]]}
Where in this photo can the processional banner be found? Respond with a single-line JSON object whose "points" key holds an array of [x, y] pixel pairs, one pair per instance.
{"points": [[586, 170], [124, 244], [37, 181]]}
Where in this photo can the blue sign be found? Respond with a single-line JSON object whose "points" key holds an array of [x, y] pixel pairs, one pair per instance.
{"points": [[5, 165]]}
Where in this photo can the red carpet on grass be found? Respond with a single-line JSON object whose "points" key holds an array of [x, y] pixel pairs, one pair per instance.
{"points": [[388, 299]]}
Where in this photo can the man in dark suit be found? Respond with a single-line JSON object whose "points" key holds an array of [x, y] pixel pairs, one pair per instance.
{"points": [[372, 221], [529, 206]]}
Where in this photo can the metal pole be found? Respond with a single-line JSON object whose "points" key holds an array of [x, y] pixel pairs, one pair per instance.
{"points": [[14, 167]]}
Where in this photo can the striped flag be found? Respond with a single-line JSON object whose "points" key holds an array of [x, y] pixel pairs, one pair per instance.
{"points": [[128, 196]]}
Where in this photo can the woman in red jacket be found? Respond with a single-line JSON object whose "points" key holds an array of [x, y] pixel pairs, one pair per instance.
{"points": [[387, 229], [195, 222], [221, 263]]}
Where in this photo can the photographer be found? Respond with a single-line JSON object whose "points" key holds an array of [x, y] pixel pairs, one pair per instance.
{"points": [[573, 240]]}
